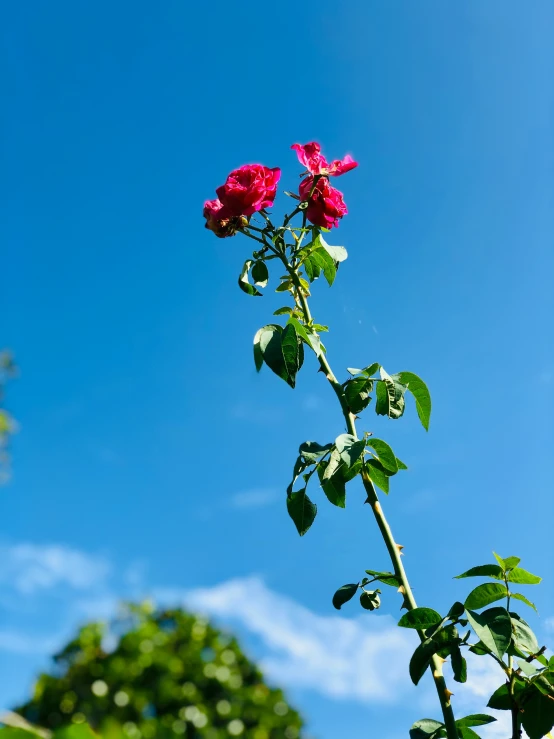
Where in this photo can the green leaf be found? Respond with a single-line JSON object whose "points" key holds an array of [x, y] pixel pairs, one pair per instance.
{"points": [[456, 610], [466, 733], [500, 561], [299, 467], [301, 510], [271, 350], [334, 486], [385, 454], [334, 463], [357, 395], [523, 599], [377, 474], [421, 658], [344, 594], [312, 451], [387, 578], [479, 648], [309, 338], [370, 601], [524, 638], [425, 728], [483, 571], [338, 253], [419, 390], [353, 370], [511, 562], [326, 263], [371, 369], [290, 351], [390, 396], [349, 448], [285, 311], [420, 618], [260, 273], [494, 628], [522, 577], [75, 732], [485, 594], [537, 718], [459, 667], [244, 283], [400, 464], [500, 699]]}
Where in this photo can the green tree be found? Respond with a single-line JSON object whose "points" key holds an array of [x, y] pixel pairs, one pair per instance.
{"points": [[169, 674]]}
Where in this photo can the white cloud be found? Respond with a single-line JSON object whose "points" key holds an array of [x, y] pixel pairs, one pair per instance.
{"points": [[31, 567], [257, 498], [337, 656], [549, 624]]}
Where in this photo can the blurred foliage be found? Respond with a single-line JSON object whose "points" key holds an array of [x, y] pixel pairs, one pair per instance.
{"points": [[159, 673], [7, 423]]}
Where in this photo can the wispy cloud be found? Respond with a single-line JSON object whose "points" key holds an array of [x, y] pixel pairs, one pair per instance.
{"points": [[333, 655], [257, 498], [549, 624], [31, 567]]}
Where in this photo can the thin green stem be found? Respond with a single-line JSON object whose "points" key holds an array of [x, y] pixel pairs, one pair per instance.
{"points": [[516, 733], [393, 548]]}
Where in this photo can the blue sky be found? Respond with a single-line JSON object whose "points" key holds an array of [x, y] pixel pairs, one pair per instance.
{"points": [[151, 458]]}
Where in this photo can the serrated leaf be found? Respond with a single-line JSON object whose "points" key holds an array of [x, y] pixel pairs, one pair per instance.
{"points": [[522, 577], [244, 283], [385, 454], [260, 273], [344, 594], [493, 627], [421, 395], [484, 595], [301, 510], [377, 474], [483, 571], [420, 618]]}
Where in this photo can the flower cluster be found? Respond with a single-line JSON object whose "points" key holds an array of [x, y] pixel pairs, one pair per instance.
{"points": [[252, 188]]}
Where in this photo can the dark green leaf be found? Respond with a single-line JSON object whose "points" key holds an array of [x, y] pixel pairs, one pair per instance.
{"points": [[479, 648], [291, 355], [459, 667], [334, 487], [270, 347], [522, 577], [523, 599], [493, 627], [244, 284], [377, 474], [370, 600], [325, 262], [344, 594], [258, 355], [309, 338], [476, 719], [349, 448], [500, 699], [392, 404], [425, 728], [421, 395], [385, 454], [371, 369], [537, 717], [483, 571], [260, 274], [421, 658], [349, 473], [420, 618], [312, 451], [299, 467], [456, 611], [357, 393], [301, 510], [387, 578], [485, 594]]}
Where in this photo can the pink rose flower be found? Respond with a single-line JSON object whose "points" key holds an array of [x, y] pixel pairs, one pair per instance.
{"points": [[220, 221], [311, 157], [249, 189], [325, 205]]}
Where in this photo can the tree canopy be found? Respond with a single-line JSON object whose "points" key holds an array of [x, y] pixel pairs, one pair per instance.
{"points": [[159, 673]]}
